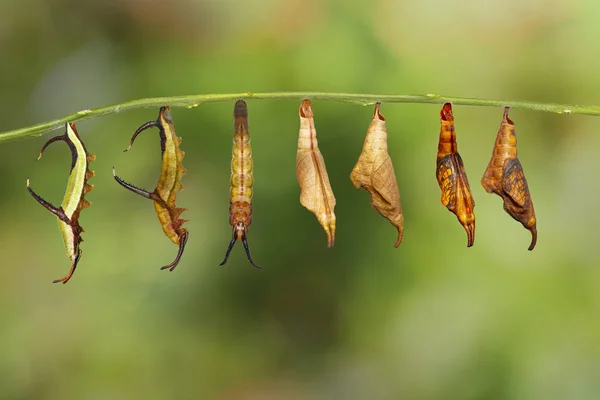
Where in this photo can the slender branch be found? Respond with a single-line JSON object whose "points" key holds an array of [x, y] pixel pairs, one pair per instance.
{"points": [[354, 98]]}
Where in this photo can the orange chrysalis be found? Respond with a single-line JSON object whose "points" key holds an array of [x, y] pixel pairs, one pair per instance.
{"points": [[504, 176], [452, 177]]}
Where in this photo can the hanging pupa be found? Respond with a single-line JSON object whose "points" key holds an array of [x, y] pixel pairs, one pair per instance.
{"points": [[242, 180], [504, 176], [315, 190], [374, 172], [452, 177], [169, 183], [73, 202]]}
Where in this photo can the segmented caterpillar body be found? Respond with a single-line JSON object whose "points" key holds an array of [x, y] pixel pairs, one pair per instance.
{"points": [[169, 183], [505, 177], [73, 201], [452, 177], [242, 180]]}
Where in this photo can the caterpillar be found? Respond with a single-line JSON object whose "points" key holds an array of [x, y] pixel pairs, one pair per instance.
{"points": [[504, 176], [242, 180], [169, 183], [73, 201], [452, 177]]}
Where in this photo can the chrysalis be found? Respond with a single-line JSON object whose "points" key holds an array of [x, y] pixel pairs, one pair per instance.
{"points": [[73, 202], [315, 190], [374, 172], [169, 183], [504, 176], [452, 177], [240, 203]]}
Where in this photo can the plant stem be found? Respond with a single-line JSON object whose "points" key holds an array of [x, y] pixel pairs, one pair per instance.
{"points": [[354, 98]]}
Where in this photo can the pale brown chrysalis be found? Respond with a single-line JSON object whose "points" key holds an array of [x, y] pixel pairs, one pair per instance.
{"points": [[374, 172], [315, 190]]}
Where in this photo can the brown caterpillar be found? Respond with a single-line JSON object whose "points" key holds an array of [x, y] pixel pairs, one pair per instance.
{"points": [[504, 176], [240, 204], [169, 183], [452, 177], [73, 202]]}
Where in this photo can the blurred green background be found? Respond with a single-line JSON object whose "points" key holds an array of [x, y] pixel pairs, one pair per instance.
{"points": [[429, 320]]}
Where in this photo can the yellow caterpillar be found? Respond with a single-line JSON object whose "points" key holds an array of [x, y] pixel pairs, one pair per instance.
{"points": [[169, 183], [240, 204], [73, 202]]}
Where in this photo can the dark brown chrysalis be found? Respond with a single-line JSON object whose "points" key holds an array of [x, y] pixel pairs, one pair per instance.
{"points": [[452, 177], [504, 176]]}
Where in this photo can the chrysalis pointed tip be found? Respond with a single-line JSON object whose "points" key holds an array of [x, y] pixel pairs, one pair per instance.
{"points": [[400, 236], [533, 238], [446, 113], [377, 112], [330, 239], [306, 109], [470, 229], [505, 119]]}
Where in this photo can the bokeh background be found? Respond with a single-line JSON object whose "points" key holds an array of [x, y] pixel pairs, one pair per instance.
{"points": [[429, 320]]}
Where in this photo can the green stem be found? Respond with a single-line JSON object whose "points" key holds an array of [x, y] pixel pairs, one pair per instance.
{"points": [[354, 98]]}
